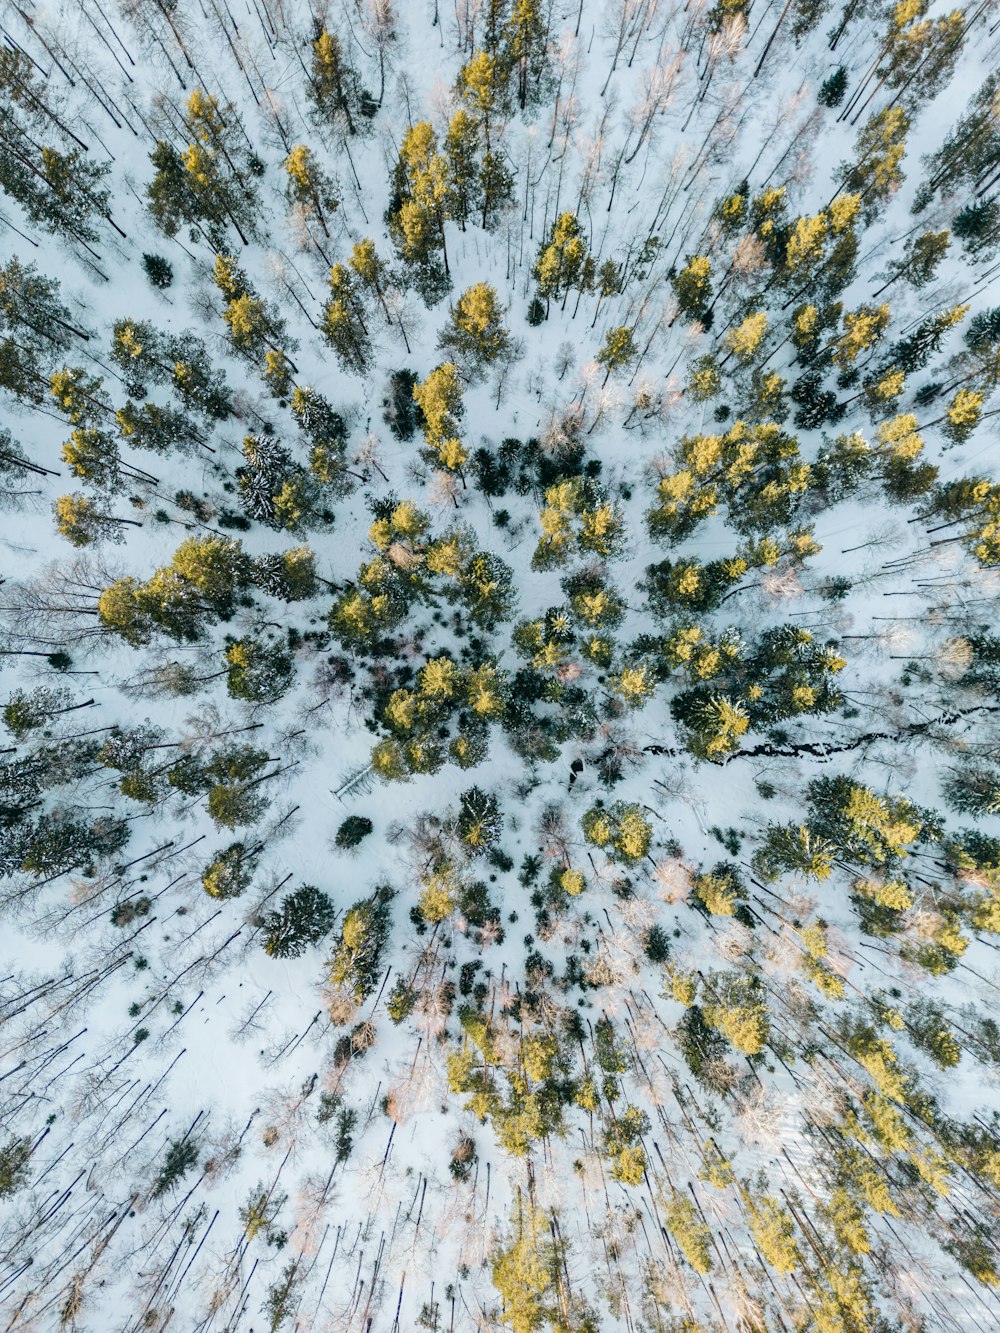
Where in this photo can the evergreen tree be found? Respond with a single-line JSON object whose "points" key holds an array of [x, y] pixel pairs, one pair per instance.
{"points": [[303, 918], [258, 672], [439, 398], [309, 186], [475, 334], [230, 872], [82, 521], [208, 185], [14, 1158], [420, 208], [561, 261], [618, 352], [692, 287], [480, 821], [334, 87], [343, 326]]}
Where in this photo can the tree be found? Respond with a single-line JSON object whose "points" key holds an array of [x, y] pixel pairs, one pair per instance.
{"points": [[309, 186], [692, 287], [879, 150], [977, 226], [524, 1274], [334, 87], [208, 184], [303, 918], [419, 209], [181, 1157], [27, 712], [258, 672], [289, 575], [480, 821], [204, 577], [745, 339], [14, 1157], [158, 429], [274, 489], [561, 261], [920, 261], [621, 831], [32, 313], [578, 516], [62, 843], [60, 191], [690, 1233], [357, 951], [475, 333], [230, 872], [82, 521], [461, 151], [343, 326], [527, 49], [159, 271], [739, 1012], [618, 352], [253, 325], [439, 398], [353, 830], [374, 275]]}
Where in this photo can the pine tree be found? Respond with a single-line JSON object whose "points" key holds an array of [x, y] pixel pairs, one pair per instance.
{"points": [[230, 872], [309, 186], [209, 182], [475, 334], [561, 261], [357, 952], [258, 672], [82, 521], [158, 429], [14, 1158], [343, 326], [527, 49], [692, 287], [618, 352], [333, 86], [480, 821], [420, 209], [439, 398], [252, 323], [303, 918], [879, 150]]}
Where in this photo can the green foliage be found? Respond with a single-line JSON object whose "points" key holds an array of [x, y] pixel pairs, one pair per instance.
{"points": [[354, 966], [303, 918], [159, 271], [14, 1158], [353, 830], [181, 1157], [621, 831]]}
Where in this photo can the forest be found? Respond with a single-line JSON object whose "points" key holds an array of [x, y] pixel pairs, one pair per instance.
{"points": [[429, 433]]}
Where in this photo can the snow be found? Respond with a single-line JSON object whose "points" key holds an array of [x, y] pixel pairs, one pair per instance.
{"points": [[394, 1231]]}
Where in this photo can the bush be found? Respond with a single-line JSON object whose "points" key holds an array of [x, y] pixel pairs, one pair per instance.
{"points": [[353, 830]]}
